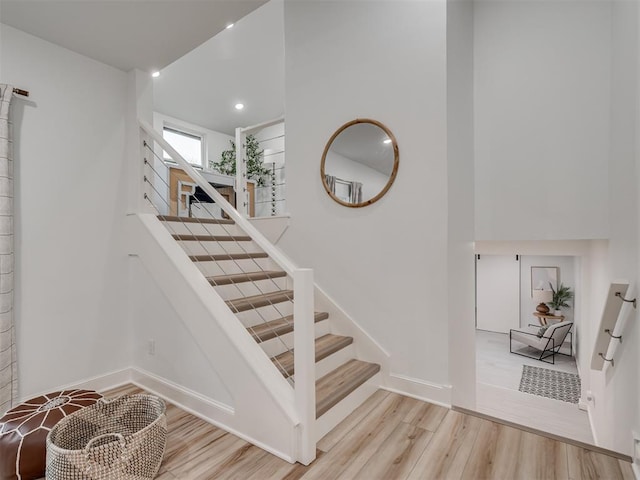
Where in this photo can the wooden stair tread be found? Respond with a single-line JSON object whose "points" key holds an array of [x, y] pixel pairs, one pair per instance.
{"points": [[227, 256], [215, 221], [244, 277], [248, 303], [280, 326], [336, 385], [324, 346], [210, 238]]}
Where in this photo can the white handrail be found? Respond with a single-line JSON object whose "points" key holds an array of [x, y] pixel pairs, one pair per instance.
{"points": [[262, 125], [275, 254], [607, 332], [303, 313]]}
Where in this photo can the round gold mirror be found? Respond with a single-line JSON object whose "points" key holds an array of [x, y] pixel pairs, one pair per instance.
{"points": [[359, 163]]}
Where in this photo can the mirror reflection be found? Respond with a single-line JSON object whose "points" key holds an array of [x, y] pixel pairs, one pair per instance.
{"points": [[359, 163]]}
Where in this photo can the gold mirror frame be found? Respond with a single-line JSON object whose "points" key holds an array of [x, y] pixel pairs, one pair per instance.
{"points": [[392, 177]]}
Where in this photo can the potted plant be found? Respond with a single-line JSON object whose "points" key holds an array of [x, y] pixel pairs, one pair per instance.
{"points": [[561, 297], [255, 168]]}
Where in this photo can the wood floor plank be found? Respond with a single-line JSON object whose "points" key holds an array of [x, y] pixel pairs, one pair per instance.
{"points": [[337, 384], [245, 461], [426, 416], [448, 451], [384, 439], [273, 467], [587, 464], [186, 442], [627, 471], [334, 436], [397, 456], [202, 461], [356, 448], [298, 470], [541, 457], [166, 476], [494, 453]]}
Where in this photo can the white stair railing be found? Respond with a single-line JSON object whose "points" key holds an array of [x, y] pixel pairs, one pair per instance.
{"points": [[304, 358], [273, 156]]}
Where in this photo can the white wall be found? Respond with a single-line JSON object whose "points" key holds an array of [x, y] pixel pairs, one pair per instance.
{"points": [[216, 142], [615, 410], [385, 264], [70, 199], [637, 155], [460, 225], [566, 276], [542, 85], [177, 356]]}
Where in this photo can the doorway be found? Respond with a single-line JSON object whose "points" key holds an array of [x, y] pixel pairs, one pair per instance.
{"points": [[505, 302]]}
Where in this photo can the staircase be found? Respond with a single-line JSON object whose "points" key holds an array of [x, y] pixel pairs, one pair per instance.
{"points": [[260, 296]]}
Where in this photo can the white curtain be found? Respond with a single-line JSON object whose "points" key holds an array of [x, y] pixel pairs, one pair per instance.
{"points": [[355, 192], [331, 182], [8, 366]]}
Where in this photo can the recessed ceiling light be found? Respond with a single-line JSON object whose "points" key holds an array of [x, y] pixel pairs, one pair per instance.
{"points": [[388, 140], [155, 74], [239, 106], [229, 26]]}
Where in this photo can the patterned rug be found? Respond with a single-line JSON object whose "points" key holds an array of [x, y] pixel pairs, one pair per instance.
{"points": [[550, 383]]}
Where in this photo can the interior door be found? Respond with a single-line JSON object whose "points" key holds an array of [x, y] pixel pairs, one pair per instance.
{"points": [[497, 292]]}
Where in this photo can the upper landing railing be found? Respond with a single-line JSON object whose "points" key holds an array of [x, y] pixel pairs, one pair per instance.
{"points": [[269, 196]]}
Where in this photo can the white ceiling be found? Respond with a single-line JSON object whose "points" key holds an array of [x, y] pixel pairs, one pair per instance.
{"points": [[126, 34], [244, 64]]}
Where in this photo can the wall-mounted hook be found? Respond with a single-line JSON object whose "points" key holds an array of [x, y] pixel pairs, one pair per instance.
{"points": [[619, 295], [607, 359], [612, 336]]}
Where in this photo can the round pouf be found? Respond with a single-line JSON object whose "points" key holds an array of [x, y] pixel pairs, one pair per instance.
{"points": [[24, 430]]}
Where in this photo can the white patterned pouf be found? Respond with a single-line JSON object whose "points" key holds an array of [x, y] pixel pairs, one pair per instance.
{"points": [[24, 429]]}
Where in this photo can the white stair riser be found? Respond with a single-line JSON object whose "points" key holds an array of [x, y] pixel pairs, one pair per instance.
{"points": [[346, 406], [333, 361], [203, 229], [269, 312], [208, 247], [225, 267], [246, 289], [276, 346], [262, 315]]}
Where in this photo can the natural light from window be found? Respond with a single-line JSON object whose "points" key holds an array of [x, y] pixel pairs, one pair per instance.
{"points": [[186, 144]]}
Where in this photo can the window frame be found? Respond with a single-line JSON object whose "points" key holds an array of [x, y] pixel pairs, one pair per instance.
{"points": [[187, 132]]}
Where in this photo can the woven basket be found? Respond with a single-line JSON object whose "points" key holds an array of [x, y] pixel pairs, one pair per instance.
{"points": [[122, 439]]}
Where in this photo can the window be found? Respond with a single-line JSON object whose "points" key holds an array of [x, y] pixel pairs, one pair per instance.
{"points": [[189, 145]]}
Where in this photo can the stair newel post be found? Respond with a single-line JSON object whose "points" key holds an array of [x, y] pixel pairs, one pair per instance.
{"points": [[304, 362], [242, 194]]}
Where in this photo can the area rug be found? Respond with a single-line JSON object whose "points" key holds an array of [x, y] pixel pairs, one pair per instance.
{"points": [[550, 383]]}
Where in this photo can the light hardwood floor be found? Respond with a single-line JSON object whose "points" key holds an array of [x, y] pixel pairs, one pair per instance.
{"points": [[389, 437], [498, 375]]}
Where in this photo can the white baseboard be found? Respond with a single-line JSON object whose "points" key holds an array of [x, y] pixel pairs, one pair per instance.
{"points": [[211, 411], [97, 383], [419, 389], [202, 407], [591, 424]]}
